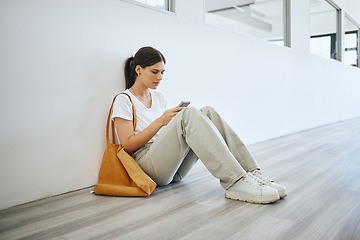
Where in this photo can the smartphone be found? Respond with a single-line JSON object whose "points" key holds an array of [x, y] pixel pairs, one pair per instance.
{"points": [[184, 104]]}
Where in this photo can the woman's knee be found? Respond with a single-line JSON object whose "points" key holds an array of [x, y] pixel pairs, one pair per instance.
{"points": [[194, 110], [195, 115], [191, 112], [208, 109]]}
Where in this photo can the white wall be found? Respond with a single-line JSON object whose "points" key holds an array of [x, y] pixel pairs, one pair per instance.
{"points": [[61, 63]]}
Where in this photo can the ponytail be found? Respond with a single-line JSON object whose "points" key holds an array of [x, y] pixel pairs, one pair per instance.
{"points": [[129, 72], [146, 56]]}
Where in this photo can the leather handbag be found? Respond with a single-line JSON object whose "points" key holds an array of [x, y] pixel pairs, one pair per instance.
{"points": [[120, 174]]}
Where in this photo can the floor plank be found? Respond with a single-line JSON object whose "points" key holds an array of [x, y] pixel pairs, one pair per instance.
{"points": [[320, 167]]}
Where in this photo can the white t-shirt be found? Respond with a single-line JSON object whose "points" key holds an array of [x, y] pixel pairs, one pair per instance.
{"points": [[145, 116]]}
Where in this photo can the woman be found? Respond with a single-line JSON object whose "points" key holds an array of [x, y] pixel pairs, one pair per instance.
{"points": [[167, 154]]}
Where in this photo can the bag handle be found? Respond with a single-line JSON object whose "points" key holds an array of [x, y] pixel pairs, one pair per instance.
{"points": [[112, 124]]}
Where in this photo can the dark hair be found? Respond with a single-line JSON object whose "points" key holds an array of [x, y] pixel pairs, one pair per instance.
{"points": [[145, 56]]}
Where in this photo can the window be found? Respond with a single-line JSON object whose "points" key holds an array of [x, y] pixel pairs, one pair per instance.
{"points": [[351, 42], [163, 5], [324, 45], [265, 19], [324, 29]]}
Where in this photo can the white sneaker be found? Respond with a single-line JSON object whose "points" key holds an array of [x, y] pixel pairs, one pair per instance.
{"points": [[250, 189], [280, 188]]}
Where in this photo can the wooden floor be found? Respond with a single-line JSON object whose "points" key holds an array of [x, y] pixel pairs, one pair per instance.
{"points": [[320, 167]]}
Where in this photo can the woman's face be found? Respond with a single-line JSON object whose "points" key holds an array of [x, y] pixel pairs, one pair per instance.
{"points": [[150, 76]]}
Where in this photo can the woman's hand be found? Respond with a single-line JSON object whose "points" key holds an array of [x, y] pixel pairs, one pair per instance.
{"points": [[130, 141], [168, 115]]}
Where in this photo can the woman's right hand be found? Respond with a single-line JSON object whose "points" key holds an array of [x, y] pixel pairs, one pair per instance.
{"points": [[168, 115]]}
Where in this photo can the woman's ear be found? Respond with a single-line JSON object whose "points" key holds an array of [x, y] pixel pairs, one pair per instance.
{"points": [[137, 69]]}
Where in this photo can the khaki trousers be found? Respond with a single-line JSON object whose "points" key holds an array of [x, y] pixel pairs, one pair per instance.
{"points": [[191, 135]]}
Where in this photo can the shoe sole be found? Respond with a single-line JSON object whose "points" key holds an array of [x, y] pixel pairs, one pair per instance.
{"points": [[251, 198]]}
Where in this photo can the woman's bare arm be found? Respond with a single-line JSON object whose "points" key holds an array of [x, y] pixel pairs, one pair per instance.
{"points": [[132, 142]]}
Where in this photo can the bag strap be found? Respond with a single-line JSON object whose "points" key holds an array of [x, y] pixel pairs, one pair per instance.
{"points": [[112, 124]]}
